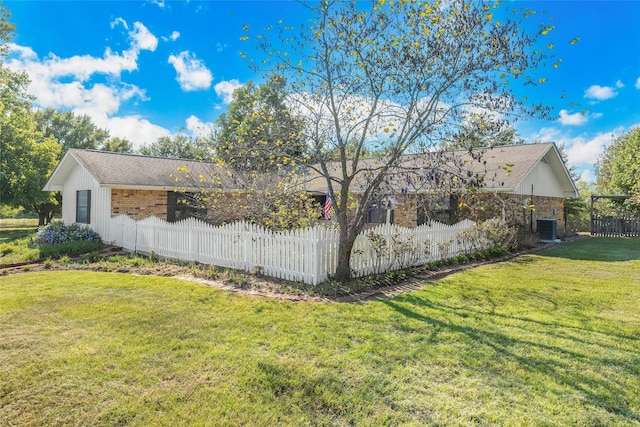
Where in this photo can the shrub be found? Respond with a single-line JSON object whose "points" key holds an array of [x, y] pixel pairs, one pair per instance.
{"points": [[59, 232], [73, 248], [486, 235]]}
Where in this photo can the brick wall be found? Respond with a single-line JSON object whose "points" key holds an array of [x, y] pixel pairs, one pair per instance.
{"points": [[139, 204], [483, 206], [405, 212]]}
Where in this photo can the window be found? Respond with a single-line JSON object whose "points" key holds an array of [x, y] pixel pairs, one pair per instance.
{"points": [[184, 205], [437, 207], [83, 206], [382, 211], [380, 215]]}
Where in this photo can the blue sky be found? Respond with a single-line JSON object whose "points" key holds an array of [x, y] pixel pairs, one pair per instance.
{"points": [[145, 69]]}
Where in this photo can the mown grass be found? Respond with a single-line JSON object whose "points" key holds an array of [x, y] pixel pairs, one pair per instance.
{"points": [[16, 245], [551, 339], [18, 223]]}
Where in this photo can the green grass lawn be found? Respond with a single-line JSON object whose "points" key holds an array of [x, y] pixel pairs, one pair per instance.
{"points": [[15, 245], [551, 339]]}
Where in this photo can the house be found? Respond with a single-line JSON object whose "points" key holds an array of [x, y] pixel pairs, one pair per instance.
{"points": [[97, 185], [518, 183], [521, 183]]}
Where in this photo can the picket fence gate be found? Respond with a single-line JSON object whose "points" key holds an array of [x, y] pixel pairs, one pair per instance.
{"points": [[308, 255]]}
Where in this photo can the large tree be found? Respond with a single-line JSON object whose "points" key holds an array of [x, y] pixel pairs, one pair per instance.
{"points": [[117, 145], [482, 131], [395, 78], [618, 169], [27, 157], [71, 130], [179, 147], [258, 132], [256, 147]]}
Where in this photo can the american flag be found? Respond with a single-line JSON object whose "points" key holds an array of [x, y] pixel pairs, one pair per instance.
{"points": [[327, 206]]}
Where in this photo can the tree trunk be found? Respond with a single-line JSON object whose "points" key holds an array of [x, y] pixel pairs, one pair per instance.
{"points": [[348, 233], [42, 218], [343, 269]]}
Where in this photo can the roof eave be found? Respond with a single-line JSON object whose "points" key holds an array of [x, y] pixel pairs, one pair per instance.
{"points": [[60, 173], [116, 186]]}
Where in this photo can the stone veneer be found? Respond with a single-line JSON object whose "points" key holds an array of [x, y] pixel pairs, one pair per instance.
{"points": [[139, 204]]}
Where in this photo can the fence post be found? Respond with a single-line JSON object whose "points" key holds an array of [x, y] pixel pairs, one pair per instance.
{"points": [[248, 258]]}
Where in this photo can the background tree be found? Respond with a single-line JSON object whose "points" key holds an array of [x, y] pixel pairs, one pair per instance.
{"points": [[618, 171], [179, 147], [482, 131], [258, 132], [255, 176], [117, 145], [70, 130], [578, 209], [27, 156], [395, 78]]}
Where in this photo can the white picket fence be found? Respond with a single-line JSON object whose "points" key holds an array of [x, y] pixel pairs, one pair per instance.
{"points": [[308, 255]]}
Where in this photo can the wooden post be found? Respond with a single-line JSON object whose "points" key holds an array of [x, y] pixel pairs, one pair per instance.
{"points": [[591, 214]]}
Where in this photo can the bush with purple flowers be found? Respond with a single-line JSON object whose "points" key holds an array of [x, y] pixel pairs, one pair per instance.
{"points": [[59, 232]]}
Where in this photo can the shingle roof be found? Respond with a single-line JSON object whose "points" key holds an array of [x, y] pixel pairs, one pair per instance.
{"points": [[503, 167], [121, 170], [118, 169]]}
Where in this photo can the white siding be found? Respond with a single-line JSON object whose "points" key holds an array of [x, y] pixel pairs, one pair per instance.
{"points": [[80, 179], [544, 180]]}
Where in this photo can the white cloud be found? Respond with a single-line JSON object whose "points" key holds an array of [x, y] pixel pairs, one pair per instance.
{"points": [[192, 73], [198, 128], [382, 120], [619, 84], [575, 119], [160, 3], [142, 37], [220, 47], [25, 53], [600, 92], [587, 175], [586, 150], [83, 67], [119, 21], [134, 128], [175, 35], [65, 83], [638, 83], [582, 150], [225, 89]]}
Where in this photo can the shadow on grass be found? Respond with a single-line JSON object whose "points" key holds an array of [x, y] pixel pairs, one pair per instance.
{"points": [[604, 249], [9, 235], [536, 354]]}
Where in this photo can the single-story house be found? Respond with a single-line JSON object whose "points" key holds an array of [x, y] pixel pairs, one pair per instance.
{"points": [[98, 185], [518, 183], [522, 183]]}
